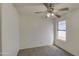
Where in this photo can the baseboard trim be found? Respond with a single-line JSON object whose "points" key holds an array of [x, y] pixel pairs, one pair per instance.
{"points": [[64, 50], [34, 47]]}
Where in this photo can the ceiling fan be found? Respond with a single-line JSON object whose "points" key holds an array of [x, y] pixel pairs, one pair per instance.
{"points": [[51, 10]]}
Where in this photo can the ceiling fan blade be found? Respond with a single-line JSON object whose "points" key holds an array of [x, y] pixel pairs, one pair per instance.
{"points": [[46, 5], [57, 15], [38, 12], [50, 5], [63, 9]]}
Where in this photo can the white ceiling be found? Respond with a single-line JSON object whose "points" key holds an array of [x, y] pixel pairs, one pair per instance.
{"points": [[30, 8], [25, 8]]}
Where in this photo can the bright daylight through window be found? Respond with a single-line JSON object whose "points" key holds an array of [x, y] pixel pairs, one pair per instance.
{"points": [[61, 30]]}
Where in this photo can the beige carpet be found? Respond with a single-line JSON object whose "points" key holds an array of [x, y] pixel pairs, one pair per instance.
{"points": [[43, 51]]}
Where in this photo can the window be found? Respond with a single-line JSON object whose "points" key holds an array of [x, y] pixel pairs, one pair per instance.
{"points": [[61, 30]]}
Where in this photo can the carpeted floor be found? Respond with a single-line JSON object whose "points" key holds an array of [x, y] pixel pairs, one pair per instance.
{"points": [[43, 51]]}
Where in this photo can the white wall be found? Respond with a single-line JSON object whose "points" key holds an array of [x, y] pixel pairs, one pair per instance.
{"points": [[72, 42], [9, 30], [0, 33], [35, 31]]}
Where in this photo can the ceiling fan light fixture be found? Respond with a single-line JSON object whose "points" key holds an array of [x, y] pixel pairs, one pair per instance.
{"points": [[52, 14], [48, 14]]}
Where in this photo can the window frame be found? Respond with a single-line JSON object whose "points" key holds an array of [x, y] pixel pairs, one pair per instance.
{"points": [[57, 23]]}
